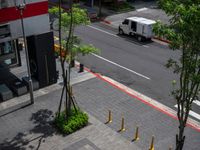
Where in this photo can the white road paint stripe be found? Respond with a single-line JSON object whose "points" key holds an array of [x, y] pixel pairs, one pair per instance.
{"points": [[192, 113], [121, 66], [146, 46], [196, 102], [102, 30], [141, 9]]}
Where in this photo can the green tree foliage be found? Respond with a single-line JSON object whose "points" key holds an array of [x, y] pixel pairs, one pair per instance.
{"points": [[80, 17], [183, 33], [70, 46]]}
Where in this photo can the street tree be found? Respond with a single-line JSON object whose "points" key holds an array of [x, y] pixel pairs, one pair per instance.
{"points": [[69, 47], [183, 33], [100, 8]]}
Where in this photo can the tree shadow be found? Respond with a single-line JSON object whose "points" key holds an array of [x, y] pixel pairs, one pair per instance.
{"points": [[43, 120], [43, 128]]}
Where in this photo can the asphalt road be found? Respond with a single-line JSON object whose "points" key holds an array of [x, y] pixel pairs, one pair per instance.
{"points": [[140, 66]]}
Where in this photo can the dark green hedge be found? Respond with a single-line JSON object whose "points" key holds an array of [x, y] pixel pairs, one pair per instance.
{"points": [[122, 7], [75, 121]]}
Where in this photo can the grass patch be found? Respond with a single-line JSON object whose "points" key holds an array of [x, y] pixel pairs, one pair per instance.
{"points": [[122, 7], [76, 121]]}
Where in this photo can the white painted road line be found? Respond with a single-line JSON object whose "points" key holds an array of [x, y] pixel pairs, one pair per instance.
{"points": [[121, 66], [146, 46], [191, 113], [196, 102], [141, 9], [102, 30]]}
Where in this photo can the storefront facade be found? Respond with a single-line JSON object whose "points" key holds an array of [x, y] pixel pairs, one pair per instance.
{"points": [[35, 19]]}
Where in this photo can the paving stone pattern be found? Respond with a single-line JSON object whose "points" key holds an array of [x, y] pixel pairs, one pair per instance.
{"points": [[32, 128], [97, 97]]}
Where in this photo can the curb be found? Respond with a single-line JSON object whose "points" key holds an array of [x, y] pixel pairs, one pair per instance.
{"points": [[17, 103], [105, 21], [163, 40], [146, 100]]}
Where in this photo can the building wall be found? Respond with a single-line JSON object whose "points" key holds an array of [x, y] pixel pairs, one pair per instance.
{"points": [[35, 17]]}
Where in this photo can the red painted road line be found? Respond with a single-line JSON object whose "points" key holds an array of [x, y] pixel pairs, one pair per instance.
{"points": [[140, 99]]}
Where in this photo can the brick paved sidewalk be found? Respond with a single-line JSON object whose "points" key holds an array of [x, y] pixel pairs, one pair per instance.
{"points": [[31, 128], [97, 97]]}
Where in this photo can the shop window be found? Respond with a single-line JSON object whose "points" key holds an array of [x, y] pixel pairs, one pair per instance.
{"points": [[6, 48], [4, 30], [8, 53], [3, 3]]}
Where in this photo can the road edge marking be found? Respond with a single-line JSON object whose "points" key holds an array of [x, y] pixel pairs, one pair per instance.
{"points": [[116, 64], [102, 31]]}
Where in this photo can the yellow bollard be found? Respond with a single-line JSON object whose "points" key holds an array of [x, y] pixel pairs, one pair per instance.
{"points": [[122, 126], [136, 137], [109, 117], [152, 143]]}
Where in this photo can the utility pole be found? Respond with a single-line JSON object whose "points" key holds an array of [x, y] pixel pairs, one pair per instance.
{"points": [[21, 8]]}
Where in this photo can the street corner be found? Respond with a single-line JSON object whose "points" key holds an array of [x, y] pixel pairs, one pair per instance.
{"points": [[104, 20]]}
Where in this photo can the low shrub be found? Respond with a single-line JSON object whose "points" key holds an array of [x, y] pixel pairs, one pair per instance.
{"points": [[123, 6], [76, 120]]}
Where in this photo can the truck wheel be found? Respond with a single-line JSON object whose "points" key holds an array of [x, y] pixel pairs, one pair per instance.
{"points": [[139, 38], [121, 31]]}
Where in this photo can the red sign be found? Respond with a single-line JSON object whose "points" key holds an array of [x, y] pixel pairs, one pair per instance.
{"points": [[33, 9]]}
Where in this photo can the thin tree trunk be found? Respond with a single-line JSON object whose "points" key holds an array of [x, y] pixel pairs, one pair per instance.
{"points": [[180, 139], [100, 6], [60, 104], [66, 97]]}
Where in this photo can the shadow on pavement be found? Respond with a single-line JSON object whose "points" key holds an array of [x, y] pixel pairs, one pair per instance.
{"points": [[43, 121], [134, 40]]}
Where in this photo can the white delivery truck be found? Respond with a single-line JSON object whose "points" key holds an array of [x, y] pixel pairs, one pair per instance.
{"points": [[140, 27]]}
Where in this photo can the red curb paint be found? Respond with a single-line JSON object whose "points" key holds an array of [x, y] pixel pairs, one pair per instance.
{"points": [[140, 99], [105, 21], [163, 40]]}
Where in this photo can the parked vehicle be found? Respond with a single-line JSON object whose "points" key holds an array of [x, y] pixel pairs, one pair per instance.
{"points": [[139, 27], [92, 13]]}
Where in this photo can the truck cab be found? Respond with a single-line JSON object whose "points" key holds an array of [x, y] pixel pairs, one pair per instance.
{"points": [[139, 27]]}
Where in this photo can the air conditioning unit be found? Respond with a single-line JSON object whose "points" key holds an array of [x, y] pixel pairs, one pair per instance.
{"points": [[5, 31]]}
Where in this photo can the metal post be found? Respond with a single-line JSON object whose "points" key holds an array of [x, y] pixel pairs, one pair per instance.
{"points": [[21, 8]]}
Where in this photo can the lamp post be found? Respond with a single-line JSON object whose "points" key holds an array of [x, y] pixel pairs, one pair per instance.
{"points": [[21, 8]]}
